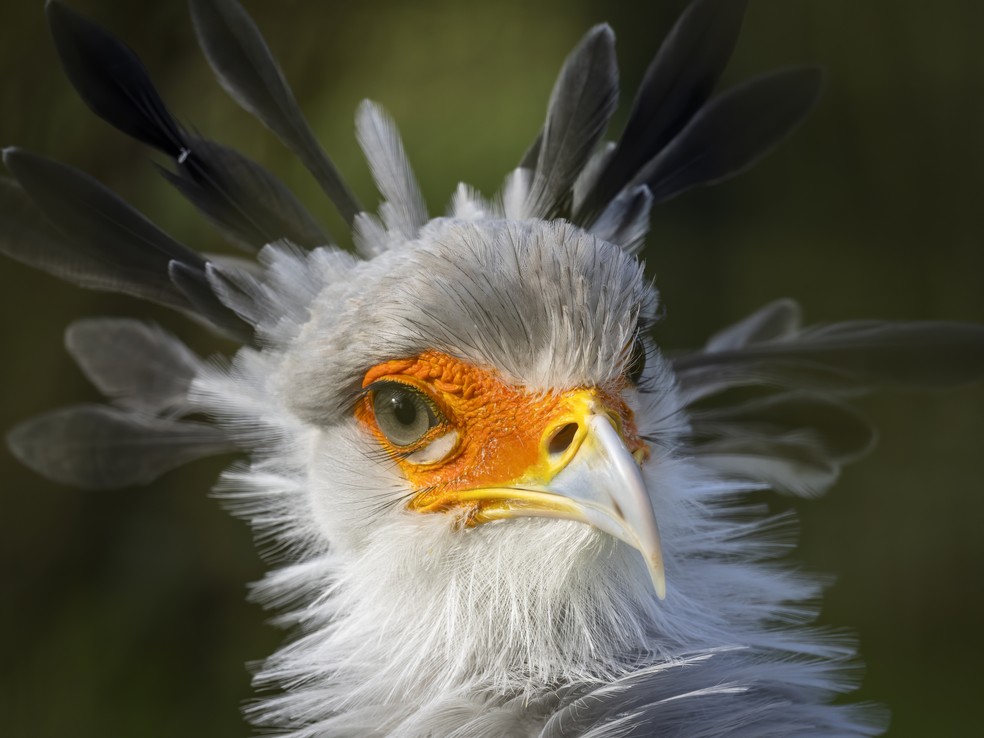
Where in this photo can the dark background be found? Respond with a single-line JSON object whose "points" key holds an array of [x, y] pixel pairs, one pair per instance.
{"points": [[124, 613]]}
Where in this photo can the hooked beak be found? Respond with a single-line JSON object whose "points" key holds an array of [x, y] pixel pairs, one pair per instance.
{"points": [[604, 483], [586, 472]]}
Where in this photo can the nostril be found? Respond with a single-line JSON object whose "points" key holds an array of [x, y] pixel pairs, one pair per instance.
{"points": [[562, 439]]}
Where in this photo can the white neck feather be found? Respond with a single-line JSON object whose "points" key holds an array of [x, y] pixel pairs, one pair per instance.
{"points": [[426, 611]]}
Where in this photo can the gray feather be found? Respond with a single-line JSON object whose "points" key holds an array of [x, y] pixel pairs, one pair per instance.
{"points": [[100, 447], [676, 85], [832, 426], [194, 285], [28, 237], [117, 246], [581, 104], [247, 203], [112, 245], [368, 236], [732, 132], [235, 192], [794, 465], [844, 356], [626, 220], [404, 210], [779, 319], [586, 180], [718, 693], [244, 66], [112, 81], [138, 365], [240, 291]]}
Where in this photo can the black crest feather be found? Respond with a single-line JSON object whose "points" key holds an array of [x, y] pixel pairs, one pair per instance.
{"points": [[247, 70], [243, 198]]}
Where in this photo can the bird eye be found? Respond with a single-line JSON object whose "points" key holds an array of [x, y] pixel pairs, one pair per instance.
{"points": [[402, 413], [637, 361]]}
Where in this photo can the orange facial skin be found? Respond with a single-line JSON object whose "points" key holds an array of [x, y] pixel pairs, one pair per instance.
{"points": [[503, 430]]}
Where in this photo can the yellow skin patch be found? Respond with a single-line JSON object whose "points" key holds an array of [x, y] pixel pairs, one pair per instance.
{"points": [[506, 434]]}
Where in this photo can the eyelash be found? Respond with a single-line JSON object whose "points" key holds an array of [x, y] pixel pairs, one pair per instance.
{"points": [[365, 395]]}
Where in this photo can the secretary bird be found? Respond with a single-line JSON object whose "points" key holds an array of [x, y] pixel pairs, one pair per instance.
{"points": [[492, 503]]}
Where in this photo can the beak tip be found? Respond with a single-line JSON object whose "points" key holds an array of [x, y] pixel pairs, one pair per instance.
{"points": [[659, 580]]}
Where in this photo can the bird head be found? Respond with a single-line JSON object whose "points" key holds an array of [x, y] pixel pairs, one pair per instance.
{"points": [[490, 369], [477, 428]]}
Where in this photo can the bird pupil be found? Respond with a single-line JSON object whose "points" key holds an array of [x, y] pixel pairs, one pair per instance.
{"points": [[404, 410]]}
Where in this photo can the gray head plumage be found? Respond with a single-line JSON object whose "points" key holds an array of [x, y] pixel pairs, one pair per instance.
{"points": [[540, 625], [522, 296]]}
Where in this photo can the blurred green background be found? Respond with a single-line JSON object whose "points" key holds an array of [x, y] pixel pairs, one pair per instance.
{"points": [[124, 613]]}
